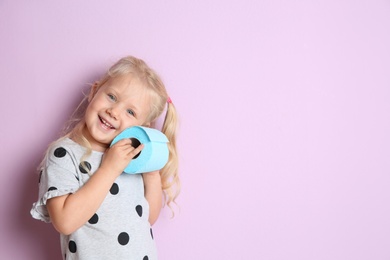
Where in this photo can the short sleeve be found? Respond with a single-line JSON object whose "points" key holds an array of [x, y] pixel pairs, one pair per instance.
{"points": [[58, 177]]}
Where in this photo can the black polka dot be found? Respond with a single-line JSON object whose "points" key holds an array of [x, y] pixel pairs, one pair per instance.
{"points": [[52, 188], [145, 258], [123, 238], [77, 178], [94, 219], [72, 246], [114, 189], [40, 176], [139, 210], [151, 233], [83, 165], [60, 152]]}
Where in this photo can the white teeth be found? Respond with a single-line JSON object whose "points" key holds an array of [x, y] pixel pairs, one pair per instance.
{"points": [[106, 123]]}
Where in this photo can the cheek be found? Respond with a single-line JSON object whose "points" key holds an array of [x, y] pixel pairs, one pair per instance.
{"points": [[92, 109], [89, 116], [129, 122], [97, 104]]}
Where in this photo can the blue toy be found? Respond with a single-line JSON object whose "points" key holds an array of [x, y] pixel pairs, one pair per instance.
{"points": [[155, 153]]}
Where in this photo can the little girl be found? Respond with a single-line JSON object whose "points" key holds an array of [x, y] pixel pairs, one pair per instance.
{"points": [[99, 212]]}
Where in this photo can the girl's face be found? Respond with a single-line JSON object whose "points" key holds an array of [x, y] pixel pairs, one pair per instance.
{"points": [[120, 103]]}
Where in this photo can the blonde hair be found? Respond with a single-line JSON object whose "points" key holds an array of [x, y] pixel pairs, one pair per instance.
{"points": [[138, 69]]}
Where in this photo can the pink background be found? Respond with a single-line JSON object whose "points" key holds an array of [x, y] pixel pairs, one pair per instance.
{"points": [[284, 107]]}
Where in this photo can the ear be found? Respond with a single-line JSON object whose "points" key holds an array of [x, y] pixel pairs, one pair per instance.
{"points": [[149, 124], [92, 92]]}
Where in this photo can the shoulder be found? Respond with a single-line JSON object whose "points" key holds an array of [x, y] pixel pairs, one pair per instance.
{"points": [[63, 149], [66, 153]]}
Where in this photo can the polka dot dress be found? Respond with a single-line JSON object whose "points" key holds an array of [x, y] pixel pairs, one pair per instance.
{"points": [[119, 229]]}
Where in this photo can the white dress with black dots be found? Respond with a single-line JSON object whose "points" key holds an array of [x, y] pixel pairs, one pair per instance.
{"points": [[119, 229]]}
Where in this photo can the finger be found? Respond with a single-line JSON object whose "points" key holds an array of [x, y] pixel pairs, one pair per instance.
{"points": [[135, 142], [136, 151], [123, 142]]}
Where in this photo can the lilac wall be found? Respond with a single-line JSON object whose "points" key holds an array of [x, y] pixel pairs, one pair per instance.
{"points": [[284, 108]]}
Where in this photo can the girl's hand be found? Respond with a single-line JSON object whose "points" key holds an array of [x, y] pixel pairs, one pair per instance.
{"points": [[117, 157], [154, 174]]}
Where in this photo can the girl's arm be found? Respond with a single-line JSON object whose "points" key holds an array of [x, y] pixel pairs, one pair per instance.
{"points": [[153, 194], [70, 212]]}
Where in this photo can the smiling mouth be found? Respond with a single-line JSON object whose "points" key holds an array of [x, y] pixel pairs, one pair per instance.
{"points": [[104, 122]]}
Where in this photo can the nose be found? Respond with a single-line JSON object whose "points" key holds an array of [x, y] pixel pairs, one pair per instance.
{"points": [[113, 112]]}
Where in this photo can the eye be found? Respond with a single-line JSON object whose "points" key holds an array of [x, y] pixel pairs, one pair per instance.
{"points": [[112, 97], [130, 112]]}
